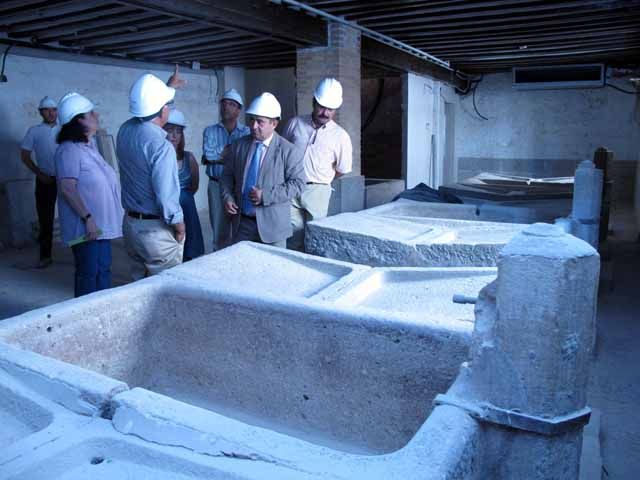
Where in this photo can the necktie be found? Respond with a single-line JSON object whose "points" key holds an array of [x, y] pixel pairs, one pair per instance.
{"points": [[248, 208]]}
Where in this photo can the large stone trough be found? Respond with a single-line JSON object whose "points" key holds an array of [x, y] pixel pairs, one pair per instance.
{"points": [[338, 354], [259, 363]]}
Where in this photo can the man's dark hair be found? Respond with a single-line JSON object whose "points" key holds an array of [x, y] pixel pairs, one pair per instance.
{"points": [[73, 131]]}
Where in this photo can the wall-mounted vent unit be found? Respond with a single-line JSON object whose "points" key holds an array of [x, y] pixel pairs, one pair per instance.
{"points": [[559, 76]]}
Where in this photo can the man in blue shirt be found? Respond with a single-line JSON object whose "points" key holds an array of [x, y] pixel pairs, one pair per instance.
{"points": [[215, 140], [153, 225]]}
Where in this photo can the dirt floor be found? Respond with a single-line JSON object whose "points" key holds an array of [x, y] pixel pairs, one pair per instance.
{"points": [[615, 379]]}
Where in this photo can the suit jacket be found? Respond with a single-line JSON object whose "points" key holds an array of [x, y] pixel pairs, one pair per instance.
{"points": [[281, 178]]}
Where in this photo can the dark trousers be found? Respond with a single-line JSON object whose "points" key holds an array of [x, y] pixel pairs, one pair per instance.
{"points": [[46, 207], [93, 266], [248, 231]]}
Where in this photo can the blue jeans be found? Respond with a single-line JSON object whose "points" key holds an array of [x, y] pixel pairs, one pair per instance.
{"points": [[93, 266]]}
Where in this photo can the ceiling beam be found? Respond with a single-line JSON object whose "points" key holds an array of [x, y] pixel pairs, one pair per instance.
{"points": [[163, 46], [381, 54], [533, 42], [559, 32], [494, 25], [54, 10], [488, 8], [571, 49], [122, 29], [58, 28], [155, 33], [258, 17], [193, 52], [546, 10]]}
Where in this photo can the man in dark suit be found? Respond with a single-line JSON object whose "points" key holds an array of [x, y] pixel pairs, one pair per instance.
{"points": [[262, 173]]}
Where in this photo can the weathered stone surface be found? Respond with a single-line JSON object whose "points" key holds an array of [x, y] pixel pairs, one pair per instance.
{"points": [[408, 242]]}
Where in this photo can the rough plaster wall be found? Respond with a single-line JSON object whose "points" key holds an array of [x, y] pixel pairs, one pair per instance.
{"points": [[279, 81], [234, 77], [538, 130], [107, 86]]}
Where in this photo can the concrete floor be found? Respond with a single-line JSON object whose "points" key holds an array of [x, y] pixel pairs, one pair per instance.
{"points": [[615, 382]]}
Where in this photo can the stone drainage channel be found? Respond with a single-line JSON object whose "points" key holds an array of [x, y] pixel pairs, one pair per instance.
{"points": [[262, 363]]}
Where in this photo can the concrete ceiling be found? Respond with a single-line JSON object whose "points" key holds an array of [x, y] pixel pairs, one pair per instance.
{"points": [[473, 35]]}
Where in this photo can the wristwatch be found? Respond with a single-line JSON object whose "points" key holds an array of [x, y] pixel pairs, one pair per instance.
{"points": [[86, 217]]}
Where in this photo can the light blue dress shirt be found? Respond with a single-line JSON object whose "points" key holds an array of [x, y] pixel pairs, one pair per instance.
{"points": [[214, 139], [148, 171]]}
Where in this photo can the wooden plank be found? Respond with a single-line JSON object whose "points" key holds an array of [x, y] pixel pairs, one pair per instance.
{"points": [[186, 41], [59, 28], [55, 10], [259, 18]]}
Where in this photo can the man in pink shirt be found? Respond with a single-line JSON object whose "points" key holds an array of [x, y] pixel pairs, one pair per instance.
{"points": [[328, 154]]}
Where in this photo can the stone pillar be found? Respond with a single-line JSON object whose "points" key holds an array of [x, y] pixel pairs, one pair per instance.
{"points": [[587, 202], [340, 59], [531, 349]]}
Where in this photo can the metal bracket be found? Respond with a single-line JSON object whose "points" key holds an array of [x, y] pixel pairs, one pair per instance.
{"points": [[485, 412]]}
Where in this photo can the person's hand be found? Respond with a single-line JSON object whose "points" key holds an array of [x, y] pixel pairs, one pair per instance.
{"points": [[230, 207], [204, 160], [255, 195], [179, 232], [92, 229], [175, 81], [46, 179]]}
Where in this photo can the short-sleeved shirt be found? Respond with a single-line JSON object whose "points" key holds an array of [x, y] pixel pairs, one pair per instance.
{"points": [[98, 187], [148, 171], [41, 139], [214, 139], [327, 149]]}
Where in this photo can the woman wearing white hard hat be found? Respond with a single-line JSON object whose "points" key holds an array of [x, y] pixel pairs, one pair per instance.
{"points": [[88, 193], [189, 177]]}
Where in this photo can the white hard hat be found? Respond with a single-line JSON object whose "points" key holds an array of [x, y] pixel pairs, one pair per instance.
{"points": [[72, 104], [328, 93], [232, 94], [148, 95], [177, 118], [265, 105], [47, 102]]}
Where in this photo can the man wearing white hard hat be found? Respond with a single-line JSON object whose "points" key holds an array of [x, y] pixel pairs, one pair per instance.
{"points": [[41, 141], [214, 140], [263, 172], [153, 223], [328, 154]]}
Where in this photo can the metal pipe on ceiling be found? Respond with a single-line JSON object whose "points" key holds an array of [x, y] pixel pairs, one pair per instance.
{"points": [[367, 32]]}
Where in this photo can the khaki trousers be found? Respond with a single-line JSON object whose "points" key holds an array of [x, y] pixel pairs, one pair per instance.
{"points": [[312, 204], [151, 246]]}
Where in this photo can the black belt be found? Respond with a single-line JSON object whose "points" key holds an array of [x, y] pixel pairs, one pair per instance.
{"points": [[143, 216], [214, 178], [248, 216], [316, 183]]}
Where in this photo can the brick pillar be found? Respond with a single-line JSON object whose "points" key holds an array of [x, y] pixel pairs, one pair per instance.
{"points": [[340, 59]]}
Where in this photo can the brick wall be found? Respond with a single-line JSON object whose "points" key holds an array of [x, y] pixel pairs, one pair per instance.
{"points": [[341, 60]]}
